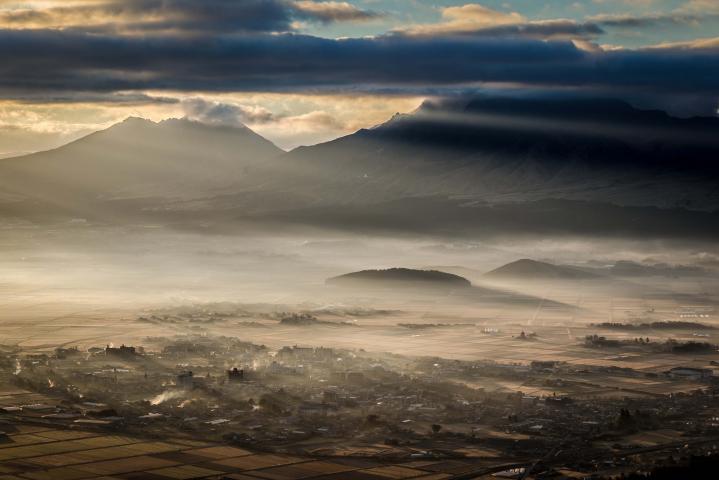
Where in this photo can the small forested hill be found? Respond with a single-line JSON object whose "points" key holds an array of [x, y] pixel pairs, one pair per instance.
{"points": [[526, 269], [400, 277]]}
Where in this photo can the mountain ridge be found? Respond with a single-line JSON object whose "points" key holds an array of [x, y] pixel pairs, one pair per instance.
{"points": [[139, 158], [514, 161], [455, 159]]}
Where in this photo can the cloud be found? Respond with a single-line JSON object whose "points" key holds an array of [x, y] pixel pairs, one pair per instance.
{"points": [[479, 15], [691, 45], [28, 128], [157, 15], [102, 98], [309, 128], [91, 49], [651, 20], [179, 16], [701, 6], [59, 61], [227, 114], [237, 115], [113, 51], [478, 20], [464, 19], [288, 130], [334, 11], [691, 13], [18, 140], [313, 121], [545, 29], [288, 120]]}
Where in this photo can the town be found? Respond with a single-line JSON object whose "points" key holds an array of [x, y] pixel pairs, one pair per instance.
{"points": [[314, 402]]}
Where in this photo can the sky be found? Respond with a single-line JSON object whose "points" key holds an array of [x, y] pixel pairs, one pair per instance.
{"points": [[305, 71]]}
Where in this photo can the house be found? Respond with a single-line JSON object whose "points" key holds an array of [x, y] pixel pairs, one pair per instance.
{"points": [[121, 351], [185, 380], [235, 375]]}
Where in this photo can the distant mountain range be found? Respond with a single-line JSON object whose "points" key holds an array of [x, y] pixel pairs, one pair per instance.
{"points": [[554, 165], [632, 269], [526, 269]]}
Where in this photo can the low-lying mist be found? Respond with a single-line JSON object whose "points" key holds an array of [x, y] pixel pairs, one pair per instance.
{"points": [[149, 265]]}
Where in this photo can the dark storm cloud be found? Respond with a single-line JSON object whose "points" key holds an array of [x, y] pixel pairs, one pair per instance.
{"points": [[548, 29], [55, 61], [110, 98], [648, 21], [545, 29]]}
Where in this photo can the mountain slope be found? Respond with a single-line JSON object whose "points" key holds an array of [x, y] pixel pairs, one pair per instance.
{"points": [[138, 158], [525, 149]]}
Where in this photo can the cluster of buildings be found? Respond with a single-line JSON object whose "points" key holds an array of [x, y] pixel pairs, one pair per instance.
{"points": [[218, 387]]}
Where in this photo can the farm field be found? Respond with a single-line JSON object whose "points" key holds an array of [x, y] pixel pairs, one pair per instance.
{"points": [[36, 452]]}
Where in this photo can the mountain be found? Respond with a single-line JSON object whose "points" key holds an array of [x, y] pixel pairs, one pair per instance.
{"points": [[523, 149], [400, 277], [526, 269], [472, 166], [138, 159]]}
